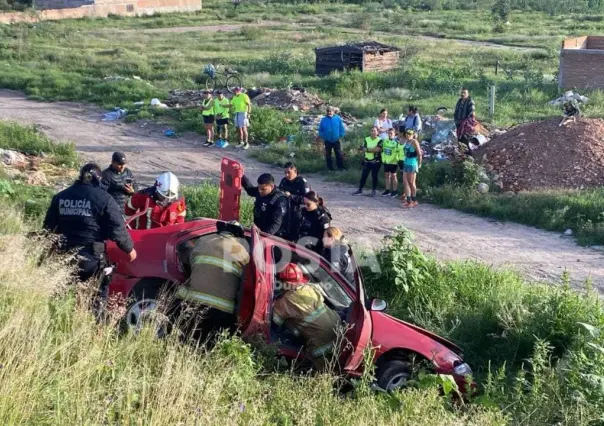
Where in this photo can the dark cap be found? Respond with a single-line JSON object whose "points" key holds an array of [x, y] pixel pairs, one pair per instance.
{"points": [[119, 158]]}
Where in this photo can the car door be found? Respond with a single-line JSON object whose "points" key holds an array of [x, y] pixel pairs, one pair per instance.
{"points": [[256, 290], [358, 335]]}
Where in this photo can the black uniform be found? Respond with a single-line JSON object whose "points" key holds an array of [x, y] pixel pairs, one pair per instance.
{"points": [[313, 226], [116, 182], [86, 215], [339, 256], [297, 187], [271, 211]]}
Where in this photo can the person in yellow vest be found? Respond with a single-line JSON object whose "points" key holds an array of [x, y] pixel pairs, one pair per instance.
{"points": [[207, 111], [217, 266], [391, 155], [221, 112], [371, 149], [301, 309], [242, 108]]}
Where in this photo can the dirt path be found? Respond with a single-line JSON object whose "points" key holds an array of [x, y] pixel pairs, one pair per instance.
{"points": [[204, 28], [447, 234]]}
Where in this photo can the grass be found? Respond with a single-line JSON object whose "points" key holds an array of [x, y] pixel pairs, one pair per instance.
{"points": [[29, 140]]}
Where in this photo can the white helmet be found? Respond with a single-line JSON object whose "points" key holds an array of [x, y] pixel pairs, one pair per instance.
{"points": [[166, 188]]}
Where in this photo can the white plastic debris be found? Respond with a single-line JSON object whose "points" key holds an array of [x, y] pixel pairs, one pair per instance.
{"points": [[569, 96], [568, 232]]}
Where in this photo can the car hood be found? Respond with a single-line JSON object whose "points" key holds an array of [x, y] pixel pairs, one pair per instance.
{"points": [[446, 343]]}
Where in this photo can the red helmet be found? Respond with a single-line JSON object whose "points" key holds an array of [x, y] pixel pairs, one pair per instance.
{"points": [[292, 274]]}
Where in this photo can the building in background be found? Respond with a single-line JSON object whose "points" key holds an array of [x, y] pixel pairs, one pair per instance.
{"points": [[582, 63]]}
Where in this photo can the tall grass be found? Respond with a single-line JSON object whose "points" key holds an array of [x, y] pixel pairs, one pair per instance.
{"points": [[29, 140]]}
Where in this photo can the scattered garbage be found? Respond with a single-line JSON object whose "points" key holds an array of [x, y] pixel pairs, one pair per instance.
{"points": [[139, 103], [169, 133], [157, 103], [568, 97], [482, 188], [542, 155], [116, 114], [13, 158], [568, 232]]}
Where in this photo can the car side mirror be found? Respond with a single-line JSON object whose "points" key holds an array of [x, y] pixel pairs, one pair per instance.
{"points": [[378, 305]]}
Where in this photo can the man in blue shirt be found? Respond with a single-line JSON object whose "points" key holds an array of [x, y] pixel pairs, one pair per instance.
{"points": [[331, 130]]}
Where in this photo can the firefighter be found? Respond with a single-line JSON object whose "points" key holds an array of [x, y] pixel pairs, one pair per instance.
{"points": [[301, 308], [271, 206], [295, 187], [85, 215], [217, 266], [162, 203]]}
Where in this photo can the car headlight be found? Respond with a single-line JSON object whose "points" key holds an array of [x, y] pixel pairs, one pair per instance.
{"points": [[462, 369]]}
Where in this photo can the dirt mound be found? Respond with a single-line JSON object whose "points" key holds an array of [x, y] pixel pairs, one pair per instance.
{"points": [[544, 155]]}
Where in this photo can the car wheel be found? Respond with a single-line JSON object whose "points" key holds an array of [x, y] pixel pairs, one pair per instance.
{"points": [[393, 375], [145, 309]]}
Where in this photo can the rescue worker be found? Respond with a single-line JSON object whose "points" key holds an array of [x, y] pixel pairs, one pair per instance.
{"points": [[301, 309], [217, 265], [207, 111], [85, 215], [119, 180], [162, 203], [315, 220], [337, 252], [295, 187], [271, 205], [371, 149]]}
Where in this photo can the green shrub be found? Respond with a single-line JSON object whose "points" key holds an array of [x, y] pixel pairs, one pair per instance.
{"points": [[29, 140], [202, 201]]}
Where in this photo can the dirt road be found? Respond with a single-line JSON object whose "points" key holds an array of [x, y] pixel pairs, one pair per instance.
{"points": [[447, 234]]}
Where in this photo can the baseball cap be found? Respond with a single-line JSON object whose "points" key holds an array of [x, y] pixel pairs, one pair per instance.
{"points": [[237, 89], [119, 158], [410, 132]]}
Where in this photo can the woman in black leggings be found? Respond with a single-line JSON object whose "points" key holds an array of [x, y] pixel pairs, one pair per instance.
{"points": [[372, 161]]}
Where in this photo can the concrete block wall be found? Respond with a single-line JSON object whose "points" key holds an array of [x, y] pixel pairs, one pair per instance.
{"points": [[581, 69]]}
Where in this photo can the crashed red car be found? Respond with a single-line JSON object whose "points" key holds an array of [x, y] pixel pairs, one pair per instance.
{"points": [[161, 261]]}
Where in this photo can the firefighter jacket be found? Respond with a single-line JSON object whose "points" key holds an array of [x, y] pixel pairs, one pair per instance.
{"points": [[85, 214], [303, 311], [217, 265], [270, 211], [156, 216]]}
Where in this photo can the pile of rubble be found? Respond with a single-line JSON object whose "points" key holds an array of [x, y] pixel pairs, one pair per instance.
{"points": [[33, 170], [544, 155]]}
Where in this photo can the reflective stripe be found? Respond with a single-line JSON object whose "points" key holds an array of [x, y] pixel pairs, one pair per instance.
{"points": [[130, 203], [296, 331], [184, 213], [221, 263], [149, 211], [314, 315], [206, 299], [322, 350], [277, 319]]}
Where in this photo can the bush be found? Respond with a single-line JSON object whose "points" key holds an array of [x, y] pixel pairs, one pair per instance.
{"points": [[30, 141], [202, 201]]}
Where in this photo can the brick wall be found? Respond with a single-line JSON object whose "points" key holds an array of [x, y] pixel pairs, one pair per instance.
{"points": [[62, 9], [595, 42], [581, 69]]}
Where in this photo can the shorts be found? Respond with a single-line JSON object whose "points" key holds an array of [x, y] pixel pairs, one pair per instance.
{"points": [[222, 121], [241, 120], [410, 168], [208, 119], [390, 168]]}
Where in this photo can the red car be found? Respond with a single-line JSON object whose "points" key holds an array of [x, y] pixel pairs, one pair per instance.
{"points": [[162, 261]]}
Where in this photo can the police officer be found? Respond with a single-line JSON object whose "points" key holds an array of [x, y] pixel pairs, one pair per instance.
{"points": [[119, 180], [271, 206], [315, 220], [295, 187], [85, 215]]}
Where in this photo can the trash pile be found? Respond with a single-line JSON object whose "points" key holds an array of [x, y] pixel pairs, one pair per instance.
{"points": [[544, 155], [33, 170], [294, 99], [569, 97]]}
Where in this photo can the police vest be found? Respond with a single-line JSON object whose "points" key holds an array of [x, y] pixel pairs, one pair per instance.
{"points": [[370, 144], [208, 107]]}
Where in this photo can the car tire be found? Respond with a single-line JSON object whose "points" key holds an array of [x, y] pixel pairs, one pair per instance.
{"points": [[393, 374], [143, 306]]}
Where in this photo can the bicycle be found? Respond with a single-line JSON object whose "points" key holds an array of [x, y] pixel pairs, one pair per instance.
{"points": [[215, 80]]}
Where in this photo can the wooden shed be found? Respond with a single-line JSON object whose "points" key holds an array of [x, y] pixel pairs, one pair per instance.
{"points": [[365, 56], [582, 63]]}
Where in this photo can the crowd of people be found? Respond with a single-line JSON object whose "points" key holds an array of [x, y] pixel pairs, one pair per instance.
{"points": [[216, 112]]}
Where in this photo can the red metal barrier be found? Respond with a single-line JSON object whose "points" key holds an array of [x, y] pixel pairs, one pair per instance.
{"points": [[231, 172]]}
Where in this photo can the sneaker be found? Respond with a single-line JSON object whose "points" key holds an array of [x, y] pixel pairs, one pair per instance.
{"points": [[246, 145], [240, 145], [386, 193], [373, 193], [224, 144], [406, 203], [413, 204], [394, 195], [209, 144], [358, 192]]}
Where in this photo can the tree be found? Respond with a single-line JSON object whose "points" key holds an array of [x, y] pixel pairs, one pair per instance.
{"points": [[501, 11]]}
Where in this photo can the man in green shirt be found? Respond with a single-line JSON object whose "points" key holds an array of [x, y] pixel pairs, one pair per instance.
{"points": [[242, 108], [221, 110]]}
